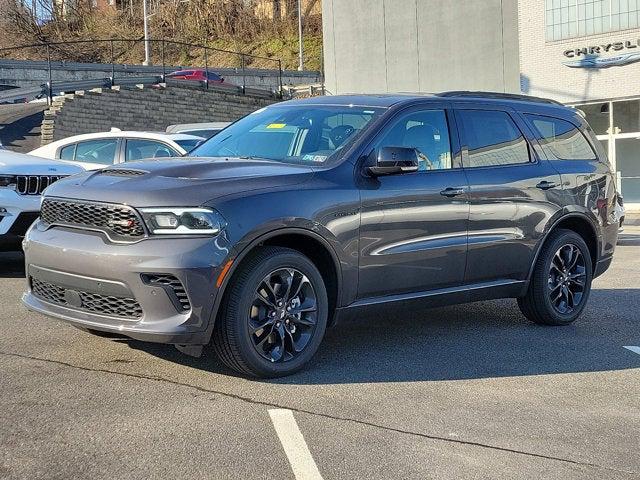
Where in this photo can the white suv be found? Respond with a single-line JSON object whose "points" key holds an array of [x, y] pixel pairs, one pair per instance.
{"points": [[23, 178]]}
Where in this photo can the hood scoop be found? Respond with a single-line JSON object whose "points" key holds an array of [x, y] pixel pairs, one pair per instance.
{"points": [[122, 172]]}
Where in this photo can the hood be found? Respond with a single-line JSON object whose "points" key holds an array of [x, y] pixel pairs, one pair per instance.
{"points": [[12, 163], [179, 182]]}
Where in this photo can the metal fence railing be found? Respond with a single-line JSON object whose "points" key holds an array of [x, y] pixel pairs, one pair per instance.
{"points": [[122, 59]]}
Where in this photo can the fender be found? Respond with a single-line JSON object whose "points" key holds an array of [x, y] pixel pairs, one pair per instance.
{"points": [[551, 226], [239, 256]]}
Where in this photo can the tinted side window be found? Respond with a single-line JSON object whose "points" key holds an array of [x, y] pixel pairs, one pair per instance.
{"points": [[427, 131], [561, 140], [138, 149], [492, 138], [97, 151], [68, 152]]}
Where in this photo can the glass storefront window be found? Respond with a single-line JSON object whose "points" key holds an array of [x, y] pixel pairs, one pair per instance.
{"points": [[626, 116], [628, 164], [597, 114], [605, 146]]}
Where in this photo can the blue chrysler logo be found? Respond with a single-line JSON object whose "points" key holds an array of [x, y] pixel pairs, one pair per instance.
{"points": [[595, 61]]}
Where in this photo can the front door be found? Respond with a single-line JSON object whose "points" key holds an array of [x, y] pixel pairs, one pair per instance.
{"points": [[413, 234]]}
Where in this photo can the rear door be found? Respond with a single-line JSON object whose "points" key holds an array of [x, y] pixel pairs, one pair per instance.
{"points": [[512, 193]]}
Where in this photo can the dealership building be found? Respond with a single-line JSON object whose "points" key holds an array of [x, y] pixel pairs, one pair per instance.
{"points": [[584, 53]]}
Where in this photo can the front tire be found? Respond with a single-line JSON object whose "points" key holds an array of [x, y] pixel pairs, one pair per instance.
{"points": [[274, 314], [561, 280]]}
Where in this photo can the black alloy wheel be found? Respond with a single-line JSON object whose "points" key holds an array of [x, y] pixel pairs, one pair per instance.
{"points": [[567, 277], [561, 280], [283, 315], [274, 314]]}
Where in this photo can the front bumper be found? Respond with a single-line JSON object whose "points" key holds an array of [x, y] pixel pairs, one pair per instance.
{"points": [[16, 215], [85, 265]]}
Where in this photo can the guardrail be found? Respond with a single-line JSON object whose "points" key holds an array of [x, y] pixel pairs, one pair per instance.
{"points": [[51, 87]]}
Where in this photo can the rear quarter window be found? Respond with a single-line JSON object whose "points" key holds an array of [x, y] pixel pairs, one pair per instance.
{"points": [[560, 139]]}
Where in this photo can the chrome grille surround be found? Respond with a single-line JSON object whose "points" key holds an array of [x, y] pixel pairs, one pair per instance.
{"points": [[110, 305], [35, 184], [119, 222]]}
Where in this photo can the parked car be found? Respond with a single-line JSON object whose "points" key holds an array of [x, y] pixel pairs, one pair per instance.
{"points": [[195, 74], [22, 180], [310, 209], [4, 88], [206, 130], [95, 150]]}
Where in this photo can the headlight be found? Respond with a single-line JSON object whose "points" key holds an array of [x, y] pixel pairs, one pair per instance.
{"points": [[179, 221], [8, 180]]}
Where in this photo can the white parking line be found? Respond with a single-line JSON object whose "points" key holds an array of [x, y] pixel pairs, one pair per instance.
{"points": [[633, 349], [300, 459]]}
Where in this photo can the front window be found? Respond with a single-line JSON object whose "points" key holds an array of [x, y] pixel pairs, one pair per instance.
{"points": [[95, 151], [425, 130], [311, 134]]}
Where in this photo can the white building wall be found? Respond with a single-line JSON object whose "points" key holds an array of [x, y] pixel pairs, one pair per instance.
{"points": [[542, 72]]}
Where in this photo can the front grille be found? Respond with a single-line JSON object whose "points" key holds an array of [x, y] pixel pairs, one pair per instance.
{"points": [[174, 288], [118, 219], [92, 302], [35, 184], [122, 172]]}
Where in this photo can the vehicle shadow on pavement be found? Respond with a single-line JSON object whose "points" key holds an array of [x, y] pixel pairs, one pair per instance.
{"points": [[473, 341], [11, 265]]}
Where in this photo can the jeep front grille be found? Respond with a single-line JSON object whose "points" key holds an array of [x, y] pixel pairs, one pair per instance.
{"points": [[92, 302], [120, 220], [35, 184]]}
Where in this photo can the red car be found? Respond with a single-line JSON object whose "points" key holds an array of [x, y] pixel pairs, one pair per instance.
{"points": [[198, 74]]}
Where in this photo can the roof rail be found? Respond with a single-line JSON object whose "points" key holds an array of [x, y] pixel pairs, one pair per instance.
{"points": [[498, 95]]}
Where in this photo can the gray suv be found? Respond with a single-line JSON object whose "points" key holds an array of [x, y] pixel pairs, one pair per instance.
{"points": [[308, 210]]}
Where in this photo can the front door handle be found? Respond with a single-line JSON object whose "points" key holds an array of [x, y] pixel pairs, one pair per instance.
{"points": [[452, 192], [544, 185]]}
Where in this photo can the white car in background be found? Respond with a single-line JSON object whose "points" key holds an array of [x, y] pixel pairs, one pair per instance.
{"points": [[93, 151], [23, 178], [206, 130]]}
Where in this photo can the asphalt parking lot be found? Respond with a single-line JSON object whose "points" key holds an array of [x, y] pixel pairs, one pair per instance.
{"points": [[472, 391]]}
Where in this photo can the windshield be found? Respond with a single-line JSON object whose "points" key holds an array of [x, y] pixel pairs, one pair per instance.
{"points": [[311, 134]]}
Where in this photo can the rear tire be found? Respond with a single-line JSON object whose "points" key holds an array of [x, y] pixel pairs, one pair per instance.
{"points": [[273, 316], [561, 280]]}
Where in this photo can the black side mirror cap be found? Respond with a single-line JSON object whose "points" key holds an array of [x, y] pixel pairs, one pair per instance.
{"points": [[392, 161]]}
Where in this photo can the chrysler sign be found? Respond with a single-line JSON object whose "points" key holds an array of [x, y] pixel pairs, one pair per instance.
{"points": [[591, 56]]}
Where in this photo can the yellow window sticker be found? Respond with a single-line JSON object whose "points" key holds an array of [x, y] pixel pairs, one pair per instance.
{"points": [[276, 125]]}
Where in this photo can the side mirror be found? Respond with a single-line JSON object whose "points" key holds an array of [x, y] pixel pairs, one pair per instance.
{"points": [[392, 161]]}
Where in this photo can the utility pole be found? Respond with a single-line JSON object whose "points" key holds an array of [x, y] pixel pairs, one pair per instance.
{"points": [[300, 53], [147, 55]]}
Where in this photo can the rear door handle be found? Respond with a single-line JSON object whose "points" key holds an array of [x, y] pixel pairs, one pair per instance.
{"points": [[544, 185], [452, 192]]}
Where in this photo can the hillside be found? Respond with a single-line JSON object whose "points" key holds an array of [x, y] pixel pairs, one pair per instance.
{"points": [[233, 25]]}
